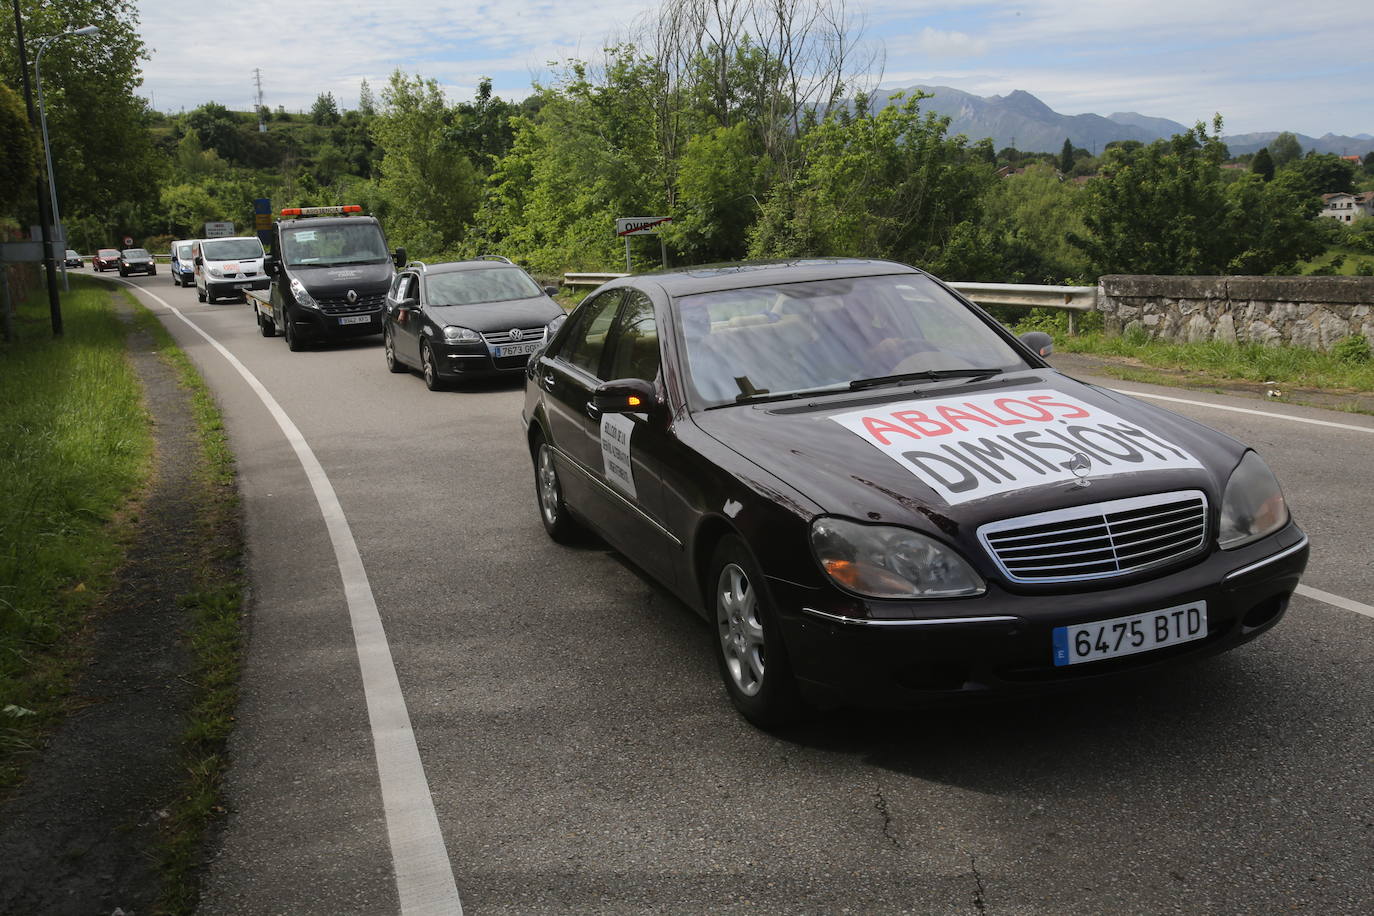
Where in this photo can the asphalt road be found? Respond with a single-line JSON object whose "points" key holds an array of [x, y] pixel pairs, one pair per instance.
{"points": [[581, 755]]}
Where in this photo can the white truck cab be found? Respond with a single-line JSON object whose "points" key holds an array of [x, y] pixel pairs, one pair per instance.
{"points": [[227, 266]]}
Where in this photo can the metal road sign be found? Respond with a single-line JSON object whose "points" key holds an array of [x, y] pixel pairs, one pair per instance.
{"points": [[218, 230], [640, 225]]}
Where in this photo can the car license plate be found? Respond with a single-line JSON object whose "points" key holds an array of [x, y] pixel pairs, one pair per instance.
{"points": [[355, 319], [520, 349], [1090, 642]]}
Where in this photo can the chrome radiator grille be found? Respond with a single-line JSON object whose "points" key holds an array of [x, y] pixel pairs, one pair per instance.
{"points": [[499, 338], [1101, 540]]}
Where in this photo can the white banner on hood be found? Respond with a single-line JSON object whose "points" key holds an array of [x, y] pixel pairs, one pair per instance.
{"points": [[974, 446]]}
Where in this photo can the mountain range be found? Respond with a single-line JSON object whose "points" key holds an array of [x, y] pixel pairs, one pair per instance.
{"points": [[1021, 120]]}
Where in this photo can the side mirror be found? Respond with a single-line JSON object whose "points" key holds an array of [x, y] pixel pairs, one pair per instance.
{"points": [[398, 257], [551, 291], [411, 303], [625, 395], [1038, 341], [269, 265], [199, 260]]}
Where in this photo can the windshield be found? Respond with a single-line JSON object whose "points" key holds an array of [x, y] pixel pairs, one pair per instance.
{"points": [[108, 253], [184, 252], [330, 246], [230, 249], [828, 334], [71, 252], [470, 287], [135, 253]]}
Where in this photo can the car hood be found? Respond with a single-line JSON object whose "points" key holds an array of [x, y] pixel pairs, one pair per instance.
{"points": [[534, 312], [337, 281], [953, 456]]}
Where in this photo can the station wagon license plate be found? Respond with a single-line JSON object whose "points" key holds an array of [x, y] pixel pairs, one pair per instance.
{"points": [[520, 349], [1090, 642], [355, 319]]}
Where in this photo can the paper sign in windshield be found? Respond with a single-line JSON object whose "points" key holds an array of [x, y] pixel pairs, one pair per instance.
{"points": [[616, 431], [970, 447]]}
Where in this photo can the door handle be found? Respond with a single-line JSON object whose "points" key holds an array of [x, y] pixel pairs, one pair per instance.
{"points": [[546, 381], [593, 411]]}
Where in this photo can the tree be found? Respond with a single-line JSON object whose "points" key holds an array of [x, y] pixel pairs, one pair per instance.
{"points": [[891, 185], [325, 111], [1272, 226], [1284, 149], [1324, 173], [716, 204], [367, 103], [429, 184], [1158, 209], [1369, 162], [1263, 165], [18, 153], [1066, 157]]}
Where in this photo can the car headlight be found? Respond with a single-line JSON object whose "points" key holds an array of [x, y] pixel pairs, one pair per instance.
{"points": [[1253, 506], [461, 335], [216, 272], [881, 561], [552, 327], [302, 295]]}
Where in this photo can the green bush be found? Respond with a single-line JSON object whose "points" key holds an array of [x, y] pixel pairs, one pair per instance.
{"points": [[1352, 349]]}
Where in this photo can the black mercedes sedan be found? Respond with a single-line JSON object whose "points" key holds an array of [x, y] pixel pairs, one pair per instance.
{"points": [[465, 319], [877, 495]]}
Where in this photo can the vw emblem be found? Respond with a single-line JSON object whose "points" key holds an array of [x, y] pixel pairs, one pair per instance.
{"points": [[1080, 465], [352, 297], [517, 334]]}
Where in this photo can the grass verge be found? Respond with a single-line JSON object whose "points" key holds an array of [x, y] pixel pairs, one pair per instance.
{"points": [[75, 455], [215, 627]]}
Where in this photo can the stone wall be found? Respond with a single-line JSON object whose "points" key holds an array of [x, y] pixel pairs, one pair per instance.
{"points": [[1311, 312]]}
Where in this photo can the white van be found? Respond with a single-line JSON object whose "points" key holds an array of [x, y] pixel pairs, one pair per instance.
{"points": [[225, 266]]}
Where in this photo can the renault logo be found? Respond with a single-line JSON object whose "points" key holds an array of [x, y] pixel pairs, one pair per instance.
{"points": [[352, 297], [517, 334]]}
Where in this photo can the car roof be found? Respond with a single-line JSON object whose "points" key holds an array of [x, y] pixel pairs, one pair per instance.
{"points": [[445, 267], [708, 278], [324, 221]]}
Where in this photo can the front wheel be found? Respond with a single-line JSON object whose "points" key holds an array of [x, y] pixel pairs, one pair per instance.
{"points": [[266, 325], [427, 365], [749, 652], [548, 490], [389, 351], [293, 339], [200, 294]]}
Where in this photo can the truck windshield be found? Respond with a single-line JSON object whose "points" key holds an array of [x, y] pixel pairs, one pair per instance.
{"points": [[329, 246], [230, 249]]}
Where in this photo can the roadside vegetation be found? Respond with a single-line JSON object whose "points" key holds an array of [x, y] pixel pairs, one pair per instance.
{"points": [[75, 450], [76, 454]]}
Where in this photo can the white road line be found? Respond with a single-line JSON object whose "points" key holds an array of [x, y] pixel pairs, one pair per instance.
{"points": [[1259, 413], [1345, 604], [424, 876]]}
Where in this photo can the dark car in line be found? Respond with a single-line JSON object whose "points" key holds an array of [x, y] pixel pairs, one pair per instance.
{"points": [[877, 495], [465, 319], [136, 261], [105, 259], [73, 259]]}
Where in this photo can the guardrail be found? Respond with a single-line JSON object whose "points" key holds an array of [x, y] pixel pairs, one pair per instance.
{"points": [[1018, 295]]}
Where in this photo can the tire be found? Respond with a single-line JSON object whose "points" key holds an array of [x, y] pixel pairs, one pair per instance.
{"points": [[153, 272], [200, 294], [431, 371], [293, 340], [749, 651], [389, 351], [266, 325], [548, 494], [123, 273]]}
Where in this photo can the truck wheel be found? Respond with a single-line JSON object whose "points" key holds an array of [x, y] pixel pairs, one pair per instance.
{"points": [[266, 325], [293, 340]]}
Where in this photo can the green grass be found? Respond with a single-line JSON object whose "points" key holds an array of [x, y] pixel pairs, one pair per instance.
{"points": [[1340, 262], [1247, 362], [75, 450], [215, 611]]}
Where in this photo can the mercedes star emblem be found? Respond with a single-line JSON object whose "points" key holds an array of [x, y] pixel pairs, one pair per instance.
{"points": [[1081, 466]]}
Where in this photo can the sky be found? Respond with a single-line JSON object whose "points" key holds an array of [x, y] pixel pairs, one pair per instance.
{"points": [[1265, 66]]}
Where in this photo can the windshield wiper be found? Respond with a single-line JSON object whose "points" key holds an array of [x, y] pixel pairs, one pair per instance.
{"points": [[932, 375]]}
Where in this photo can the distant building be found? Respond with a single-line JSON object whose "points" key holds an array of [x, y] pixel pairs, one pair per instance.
{"points": [[1348, 207]]}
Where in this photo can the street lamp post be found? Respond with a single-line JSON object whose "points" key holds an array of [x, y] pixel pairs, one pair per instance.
{"points": [[47, 148]]}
